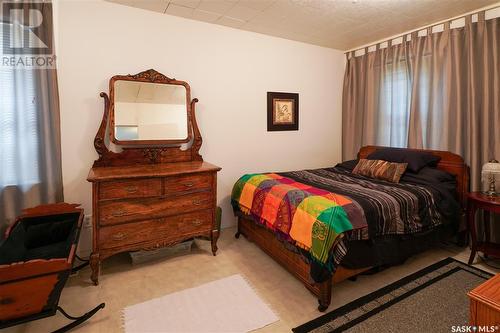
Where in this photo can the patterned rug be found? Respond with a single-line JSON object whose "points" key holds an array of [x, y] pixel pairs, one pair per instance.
{"points": [[433, 299]]}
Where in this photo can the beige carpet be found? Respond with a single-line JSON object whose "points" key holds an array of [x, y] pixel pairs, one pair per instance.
{"points": [[226, 305]]}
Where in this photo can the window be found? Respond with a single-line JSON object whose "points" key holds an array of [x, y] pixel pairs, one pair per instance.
{"points": [[394, 105], [19, 160]]}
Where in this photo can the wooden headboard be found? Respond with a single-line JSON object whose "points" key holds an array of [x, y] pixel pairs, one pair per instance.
{"points": [[450, 162]]}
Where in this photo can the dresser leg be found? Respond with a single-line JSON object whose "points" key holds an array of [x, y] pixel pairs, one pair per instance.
{"points": [[95, 266], [214, 238]]}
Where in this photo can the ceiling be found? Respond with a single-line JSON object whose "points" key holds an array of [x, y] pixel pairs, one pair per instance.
{"points": [[339, 24]]}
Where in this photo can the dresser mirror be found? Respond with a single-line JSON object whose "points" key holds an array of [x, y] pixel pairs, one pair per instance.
{"points": [[151, 117], [145, 112], [155, 190]]}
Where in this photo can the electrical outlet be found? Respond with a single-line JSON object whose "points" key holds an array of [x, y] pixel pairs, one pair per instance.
{"points": [[87, 221]]}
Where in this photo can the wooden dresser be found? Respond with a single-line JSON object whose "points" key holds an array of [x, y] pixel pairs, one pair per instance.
{"points": [[152, 196], [485, 303]]}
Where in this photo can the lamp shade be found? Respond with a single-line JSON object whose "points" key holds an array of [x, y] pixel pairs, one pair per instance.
{"points": [[489, 172], [491, 167]]}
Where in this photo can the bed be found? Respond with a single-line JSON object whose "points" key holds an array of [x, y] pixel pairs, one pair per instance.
{"points": [[366, 235]]}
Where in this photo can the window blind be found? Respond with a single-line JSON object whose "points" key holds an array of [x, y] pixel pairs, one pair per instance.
{"points": [[19, 159]]}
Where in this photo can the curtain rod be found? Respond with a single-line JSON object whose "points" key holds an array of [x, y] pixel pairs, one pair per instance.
{"points": [[495, 6]]}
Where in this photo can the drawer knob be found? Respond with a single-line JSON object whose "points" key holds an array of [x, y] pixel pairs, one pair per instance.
{"points": [[119, 212], [197, 202], [197, 222], [118, 236], [131, 189], [188, 184]]}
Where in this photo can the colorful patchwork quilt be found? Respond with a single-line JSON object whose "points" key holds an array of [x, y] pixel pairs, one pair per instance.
{"points": [[313, 218]]}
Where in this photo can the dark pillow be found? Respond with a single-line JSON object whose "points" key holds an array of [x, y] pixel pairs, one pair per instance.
{"points": [[347, 165], [436, 174], [430, 175], [416, 159], [379, 169]]}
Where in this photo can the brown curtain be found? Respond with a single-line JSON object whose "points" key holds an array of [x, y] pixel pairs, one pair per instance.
{"points": [[376, 91], [30, 140], [450, 100]]}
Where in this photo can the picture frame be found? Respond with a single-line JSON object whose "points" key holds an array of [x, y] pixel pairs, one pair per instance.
{"points": [[282, 111]]}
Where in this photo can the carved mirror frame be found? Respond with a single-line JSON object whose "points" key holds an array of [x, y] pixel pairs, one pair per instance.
{"points": [[150, 76], [147, 151]]}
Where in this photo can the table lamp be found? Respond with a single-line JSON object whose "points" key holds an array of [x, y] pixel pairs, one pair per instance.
{"points": [[489, 172]]}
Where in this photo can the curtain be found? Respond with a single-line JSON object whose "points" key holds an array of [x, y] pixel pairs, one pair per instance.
{"points": [[30, 147], [376, 91], [438, 91]]}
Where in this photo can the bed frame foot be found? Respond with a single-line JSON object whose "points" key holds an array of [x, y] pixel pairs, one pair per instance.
{"points": [[237, 235], [325, 295], [322, 307]]}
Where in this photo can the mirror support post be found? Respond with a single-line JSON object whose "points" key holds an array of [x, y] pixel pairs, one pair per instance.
{"points": [[99, 143], [197, 140]]}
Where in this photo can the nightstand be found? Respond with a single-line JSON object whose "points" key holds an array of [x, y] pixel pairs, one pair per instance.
{"points": [[489, 204]]}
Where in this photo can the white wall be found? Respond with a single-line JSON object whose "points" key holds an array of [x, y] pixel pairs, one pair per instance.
{"points": [[230, 72]]}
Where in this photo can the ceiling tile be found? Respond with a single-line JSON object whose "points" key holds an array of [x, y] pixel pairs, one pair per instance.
{"points": [[216, 6], [267, 21], [205, 16], [241, 12], [259, 5], [153, 5], [179, 11], [282, 9], [186, 3], [230, 22]]}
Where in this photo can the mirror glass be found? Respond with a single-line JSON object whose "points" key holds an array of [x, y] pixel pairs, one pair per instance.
{"points": [[150, 111]]}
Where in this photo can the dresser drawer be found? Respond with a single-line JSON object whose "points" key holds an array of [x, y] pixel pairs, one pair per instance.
{"points": [[130, 188], [188, 183], [164, 230], [114, 212]]}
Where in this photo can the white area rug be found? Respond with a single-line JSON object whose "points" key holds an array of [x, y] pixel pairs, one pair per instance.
{"points": [[225, 305]]}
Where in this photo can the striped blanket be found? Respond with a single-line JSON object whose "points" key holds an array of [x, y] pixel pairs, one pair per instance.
{"points": [[317, 210]]}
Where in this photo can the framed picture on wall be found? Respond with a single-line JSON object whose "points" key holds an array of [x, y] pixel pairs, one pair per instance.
{"points": [[282, 111]]}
